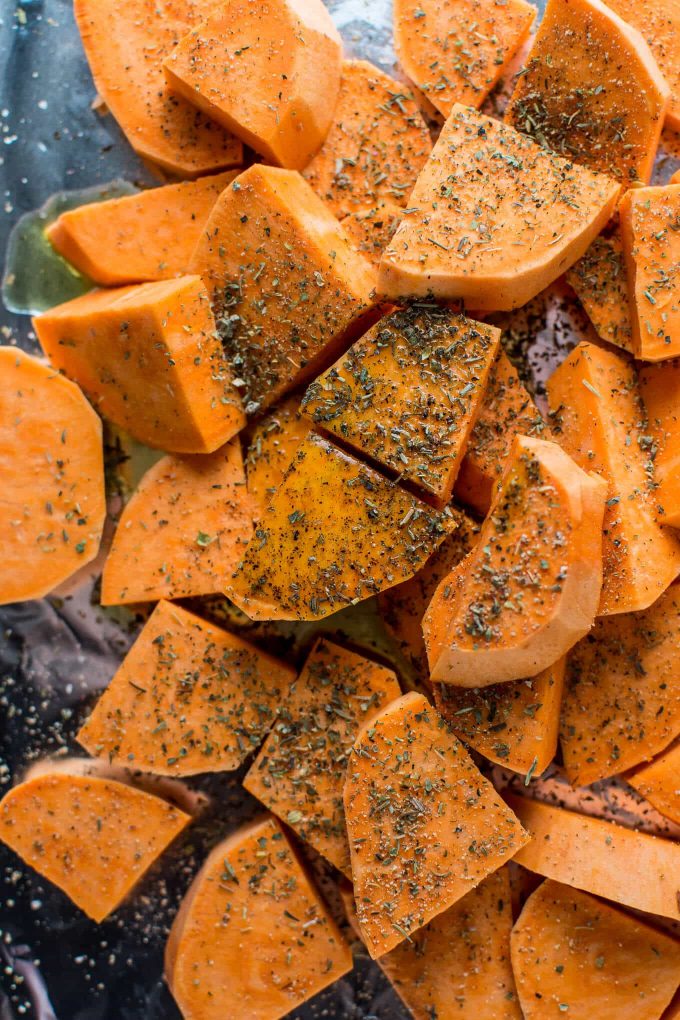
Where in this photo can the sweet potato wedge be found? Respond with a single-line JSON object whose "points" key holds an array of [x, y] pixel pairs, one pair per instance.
{"points": [[574, 954], [424, 825], [299, 773], [149, 359], [660, 391], [187, 698], [540, 213], [598, 418], [274, 442], [253, 932], [183, 530], [531, 586], [371, 229], [52, 464], [599, 281], [660, 783]]}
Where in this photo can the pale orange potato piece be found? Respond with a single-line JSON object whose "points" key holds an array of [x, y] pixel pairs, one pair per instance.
{"points": [[660, 783], [599, 280], [93, 838], [274, 441], [371, 229], [660, 391], [493, 218], [53, 503], [252, 934]]}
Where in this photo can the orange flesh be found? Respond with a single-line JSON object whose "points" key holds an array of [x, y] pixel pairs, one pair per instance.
{"points": [[371, 229], [660, 390], [599, 280], [660, 783], [273, 445]]}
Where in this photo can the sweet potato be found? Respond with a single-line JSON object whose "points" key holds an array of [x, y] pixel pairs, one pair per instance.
{"points": [[457, 50], [371, 229], [252, 934], [650, 229], [591, 91], [53, 505], [494, 218], [660, 391], [188, 697], [599, 280], [151, 362], [574, 954], [622, 699], [93, 838], [406, 395], [148, 236], [424, 825], [268, 72], [530, 587], [274, 442], [336, 532], [125, 42], [299, 773], [599, 857], [660, 783], [290, 291], [183, 530], [598, 418]]}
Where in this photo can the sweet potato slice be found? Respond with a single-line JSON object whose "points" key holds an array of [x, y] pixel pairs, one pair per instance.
{"points": [[660, 390], [650, 229], [622, 697], [599, 280], [149, 236], [299, 773], [188, 697], [371, 229], [493, 218], [53, 505], [289, 289], [424, 825], [660, 783], [252, 932], [274, 442], [574, 954], [599, 857], [406, 395], [598, 418], [93, 838], [591, 91], [125, 42], [183, 530], [457, 50], [151, 362], [336, 532], [268, 74], [530, 587]]}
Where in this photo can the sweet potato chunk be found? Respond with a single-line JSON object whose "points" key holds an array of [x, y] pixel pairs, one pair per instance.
{"points": [[530, 587], [371, 229], [270, 74], [493, 218], [660, 783], [599, 280], [274, 441], [591, 91], [93, 838], [599, 419], [406, 395], [299, 773], [424, 825], [252, 932], [52, 467], [288, 288], [574, 954], [150, 360], [660, 390], [336, 532], [188, 697], [183, 530]]}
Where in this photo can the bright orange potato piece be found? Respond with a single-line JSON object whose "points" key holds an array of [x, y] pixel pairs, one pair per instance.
{"points": [[621, 703], [274, 442], [457, 50], [371, 229], [574, 954], [493, 218], [407, 394], [93, 838], [182, 532], [591, 91], [599, 419], [336, 532], [660, 783], [125, 42], [660, 390], [269, 73], [299, 773], [530, 587], [52, 468], [424, 825], [252, 932], [289, 287], [151, 362], [650, 229], [187, 698], [599, 280], [149, 236]]}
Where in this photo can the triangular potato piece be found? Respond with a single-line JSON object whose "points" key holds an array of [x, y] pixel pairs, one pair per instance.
{"points": [[660, 783], [599, 280]]}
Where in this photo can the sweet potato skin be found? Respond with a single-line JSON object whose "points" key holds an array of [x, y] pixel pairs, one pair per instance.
{"points": [[660, 783], [660, 391]]}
